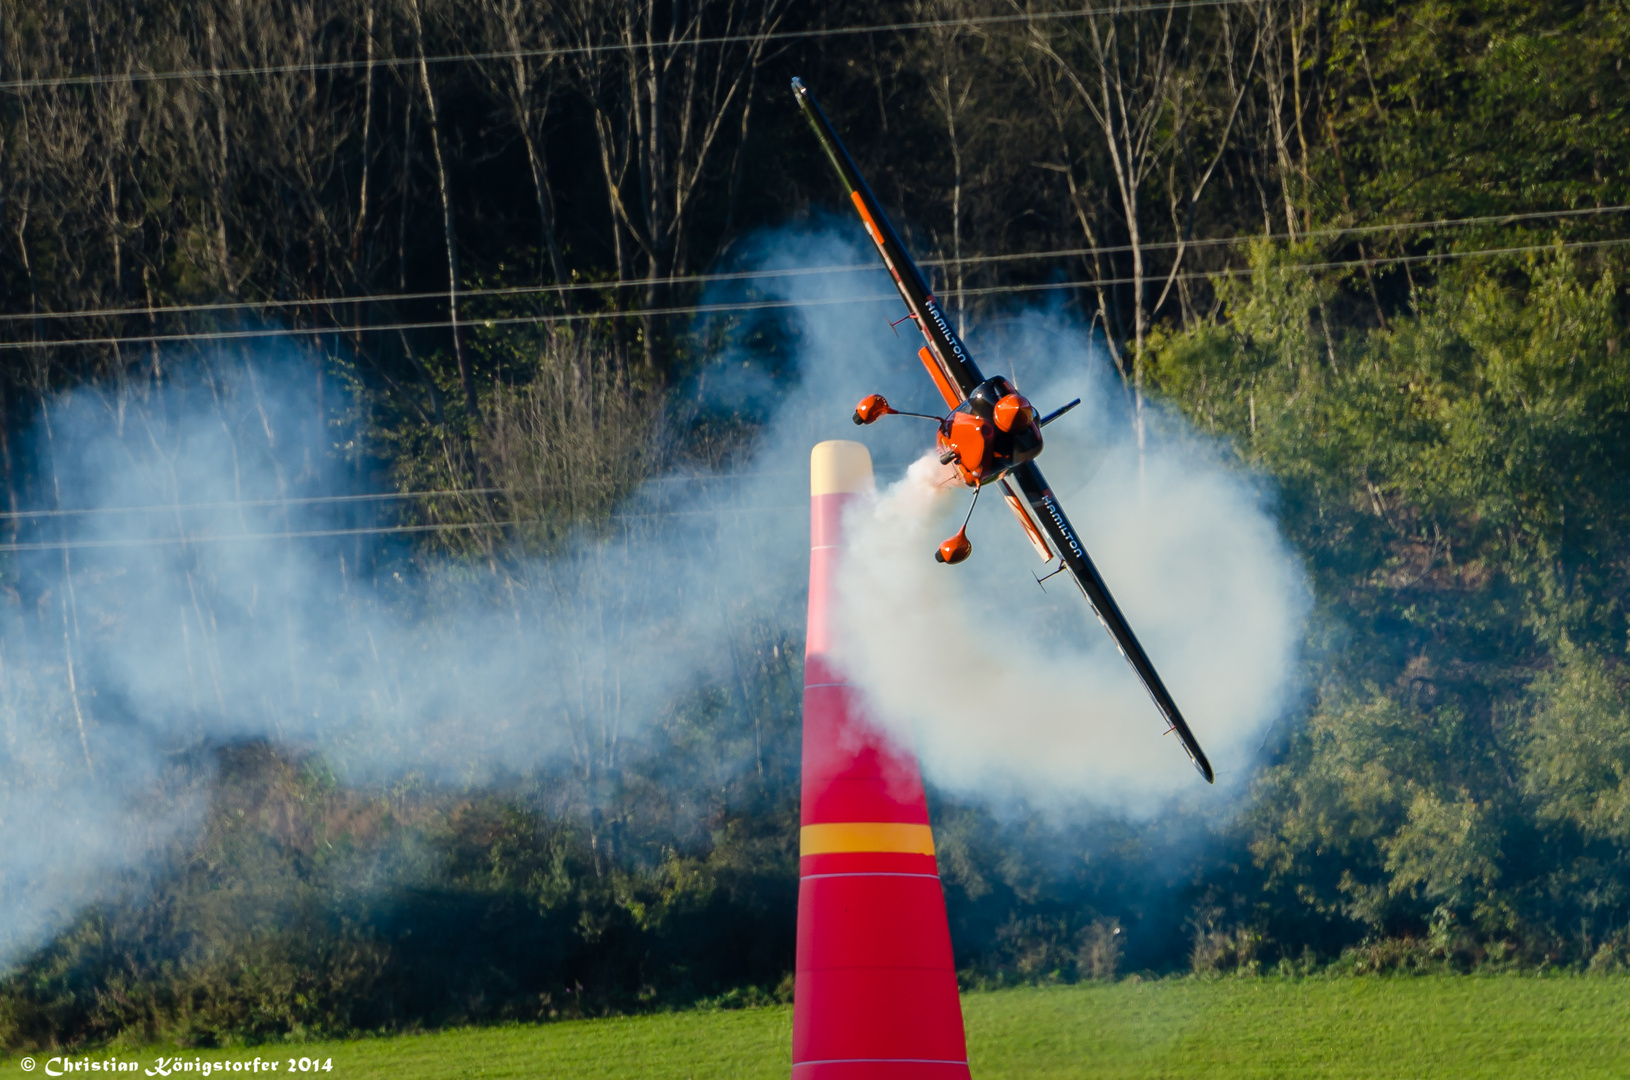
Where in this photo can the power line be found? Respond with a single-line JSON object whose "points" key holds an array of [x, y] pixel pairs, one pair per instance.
{"points": [[302, 534], [587, 50], [435, 324], [378, 530], [1349, 230], [235, 504], [394, 496], [766, 305], [155, 311], [441, 294], [1393, 260]]}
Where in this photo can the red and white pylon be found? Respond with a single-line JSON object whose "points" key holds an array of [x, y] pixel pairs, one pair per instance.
{"points": [[876, 994]]}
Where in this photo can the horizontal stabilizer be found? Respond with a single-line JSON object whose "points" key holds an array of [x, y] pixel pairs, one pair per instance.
{"points": [[1056, 413]]}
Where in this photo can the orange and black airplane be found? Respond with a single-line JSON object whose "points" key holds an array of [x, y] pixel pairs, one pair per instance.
{"points": [[991, 432]]}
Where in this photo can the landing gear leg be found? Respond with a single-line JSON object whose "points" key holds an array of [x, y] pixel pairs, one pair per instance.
{"points": [[959, 547]]}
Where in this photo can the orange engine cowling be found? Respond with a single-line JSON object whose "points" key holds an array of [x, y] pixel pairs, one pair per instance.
{"points": [[967, 440], [871, 408], [1014, 412]]}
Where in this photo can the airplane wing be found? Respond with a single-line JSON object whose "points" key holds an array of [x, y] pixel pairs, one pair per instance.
{"points": [[945, 356], [1074, 554]]}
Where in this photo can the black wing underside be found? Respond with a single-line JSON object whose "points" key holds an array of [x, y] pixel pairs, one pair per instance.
{"points": [[956, 377], [947, 350], [1074, 553]]}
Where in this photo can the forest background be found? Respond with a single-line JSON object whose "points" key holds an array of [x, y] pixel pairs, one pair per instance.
{"points": [[1376, 247]]}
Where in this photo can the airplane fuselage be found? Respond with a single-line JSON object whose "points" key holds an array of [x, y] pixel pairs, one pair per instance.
{"points": [[989, 433]]}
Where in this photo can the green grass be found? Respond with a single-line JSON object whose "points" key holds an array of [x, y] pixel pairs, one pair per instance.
{"points": [[1461, 1027], [1348, 1028]]}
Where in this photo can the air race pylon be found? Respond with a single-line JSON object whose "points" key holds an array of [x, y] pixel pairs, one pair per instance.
{"points": [[876, 994]]}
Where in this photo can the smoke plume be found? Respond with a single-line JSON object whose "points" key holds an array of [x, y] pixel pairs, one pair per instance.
{"points": [[217, 582]]}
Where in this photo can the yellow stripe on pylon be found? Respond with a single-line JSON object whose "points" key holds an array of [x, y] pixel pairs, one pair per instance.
{"points": [[844, 837]]}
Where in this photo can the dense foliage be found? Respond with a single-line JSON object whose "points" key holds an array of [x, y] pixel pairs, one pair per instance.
{"points": [[1444, 410]]}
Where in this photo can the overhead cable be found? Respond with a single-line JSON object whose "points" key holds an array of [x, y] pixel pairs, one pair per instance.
{"points": [[375, 530], [765, 305], [372, 497], [155, 311], [238, 504], [1345, 230], [102, 79]]}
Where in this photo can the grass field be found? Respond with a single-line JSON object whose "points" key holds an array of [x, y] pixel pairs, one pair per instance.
{"points": [[1373, 1028]]}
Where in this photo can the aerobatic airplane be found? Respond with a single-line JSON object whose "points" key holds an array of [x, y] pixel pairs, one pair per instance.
{"points": [[991, 432]]}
